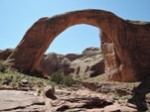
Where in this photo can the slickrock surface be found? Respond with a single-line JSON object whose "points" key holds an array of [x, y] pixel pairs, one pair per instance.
{"points": [[13, 101], [86, 101], [67, 100]]}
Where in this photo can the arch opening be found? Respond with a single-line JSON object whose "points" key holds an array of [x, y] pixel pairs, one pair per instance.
{"points": [[78, 42], [75, 39]]}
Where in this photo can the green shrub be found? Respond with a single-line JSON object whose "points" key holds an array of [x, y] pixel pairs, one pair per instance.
{"points": [[57, 77], [14, 79], [68, 80], [5, 65], [60, 78]]}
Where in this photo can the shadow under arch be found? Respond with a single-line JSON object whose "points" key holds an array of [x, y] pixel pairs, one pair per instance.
{"points": [[119, 41]]}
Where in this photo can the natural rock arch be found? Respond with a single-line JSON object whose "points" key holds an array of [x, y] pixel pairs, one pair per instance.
{"points": [[125, 45]]}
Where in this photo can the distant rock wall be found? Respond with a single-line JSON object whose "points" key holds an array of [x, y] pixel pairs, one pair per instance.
{"points": [[88, 64], [51, 63], [125, 44], [83, 65]]}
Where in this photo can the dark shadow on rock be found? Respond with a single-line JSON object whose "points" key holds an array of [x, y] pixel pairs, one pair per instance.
{"points": [[50, 92], [139, 94], [84, 103], [51, 96]]}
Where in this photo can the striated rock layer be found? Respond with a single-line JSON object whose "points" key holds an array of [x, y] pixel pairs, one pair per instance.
{"points": [[125, 44]]}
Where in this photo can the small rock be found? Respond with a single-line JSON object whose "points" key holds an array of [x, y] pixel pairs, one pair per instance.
{"points": [[106, 88], [24, 81], [49, 92]]}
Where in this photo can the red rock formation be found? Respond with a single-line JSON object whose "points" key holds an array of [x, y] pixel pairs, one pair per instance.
{"points": [[125, 45], [4, 54], [51, 63]]}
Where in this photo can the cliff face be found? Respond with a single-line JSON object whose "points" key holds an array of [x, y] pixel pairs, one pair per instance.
{"points": [[125, 45]]}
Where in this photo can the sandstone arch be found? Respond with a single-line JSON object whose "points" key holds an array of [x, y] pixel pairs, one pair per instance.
{"points": [[125, 45]]}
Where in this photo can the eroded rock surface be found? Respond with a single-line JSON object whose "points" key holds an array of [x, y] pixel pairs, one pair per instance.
{"points": [[85, 101], [125, 44], [90, 64], [22, 101], [80, 100]]}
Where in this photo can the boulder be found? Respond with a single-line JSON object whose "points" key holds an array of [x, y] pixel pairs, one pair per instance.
{"points": [[49, 92]]}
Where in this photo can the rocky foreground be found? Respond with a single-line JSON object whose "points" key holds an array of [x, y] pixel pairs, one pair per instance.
{"points": [[95, 94], [63, 100]]}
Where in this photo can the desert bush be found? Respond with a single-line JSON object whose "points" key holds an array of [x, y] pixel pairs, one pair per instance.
{"points": [[14, 79], [57, 77], [68, 80], [5, 65], [60, 78]]}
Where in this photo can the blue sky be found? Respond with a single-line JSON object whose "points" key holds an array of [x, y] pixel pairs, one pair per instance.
{"points": [[17, 16]]}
